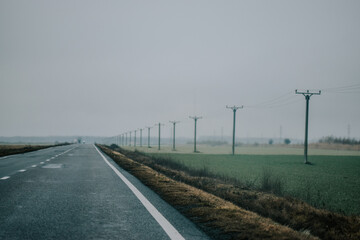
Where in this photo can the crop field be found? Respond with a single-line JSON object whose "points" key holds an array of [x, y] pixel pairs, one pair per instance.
{"points": [[332, 181], [332, 150]]}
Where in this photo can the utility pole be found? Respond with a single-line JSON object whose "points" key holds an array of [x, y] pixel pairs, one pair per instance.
{"points": [[141, 137], [174, 123], [195, 119], [149, 136], [130, 140], [234, 108], [126, 139], [159, 125], [135, 139], [307, 96]]}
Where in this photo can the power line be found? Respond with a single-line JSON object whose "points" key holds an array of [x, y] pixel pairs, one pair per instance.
{"points": [[307, 96]]}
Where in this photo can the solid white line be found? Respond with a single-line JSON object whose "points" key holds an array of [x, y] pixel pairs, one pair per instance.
{"points": [[164, 223], [4, 178], [4, 157]]}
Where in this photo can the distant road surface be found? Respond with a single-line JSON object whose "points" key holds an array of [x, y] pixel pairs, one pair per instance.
{"points": [[75, 192]]}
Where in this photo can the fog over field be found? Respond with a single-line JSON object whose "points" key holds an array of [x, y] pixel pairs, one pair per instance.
{"points": [[103, 68]]}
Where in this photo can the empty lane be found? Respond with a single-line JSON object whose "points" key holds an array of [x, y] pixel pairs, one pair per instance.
{"points": [[76, 195]]}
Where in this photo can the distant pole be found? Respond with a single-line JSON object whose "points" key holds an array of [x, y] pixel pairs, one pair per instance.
{"points": [[126, 140], [195, 120], [149, 136], [141, 137], [135, 139], [159, 125], [234, 108], [174, 123], [307, 96], [130, 140]]}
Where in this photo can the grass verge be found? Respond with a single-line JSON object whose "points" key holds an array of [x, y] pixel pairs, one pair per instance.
{"points": [[6, 150], [286, 211]]}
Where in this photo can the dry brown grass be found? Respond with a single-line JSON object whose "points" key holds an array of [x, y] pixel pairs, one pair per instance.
{"points": [[219, 218], [6, 150]]}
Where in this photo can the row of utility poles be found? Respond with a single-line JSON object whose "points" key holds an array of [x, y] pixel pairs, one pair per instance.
{"points": [[124, 137]]}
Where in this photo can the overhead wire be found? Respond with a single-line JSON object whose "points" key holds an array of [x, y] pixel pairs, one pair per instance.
{"points": [[353, 88]]}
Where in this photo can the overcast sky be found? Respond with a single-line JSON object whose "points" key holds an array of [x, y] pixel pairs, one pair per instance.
{"points": [[107, 67]]}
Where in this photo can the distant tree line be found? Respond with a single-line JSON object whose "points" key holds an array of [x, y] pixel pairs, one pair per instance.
{"points": [[339, 140]]}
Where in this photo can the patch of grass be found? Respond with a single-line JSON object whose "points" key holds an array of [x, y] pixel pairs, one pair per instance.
{"points": [[331, 182]]}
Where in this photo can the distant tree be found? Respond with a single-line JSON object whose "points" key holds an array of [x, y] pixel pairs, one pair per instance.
{"points": [[287, 141], [271, 141]]}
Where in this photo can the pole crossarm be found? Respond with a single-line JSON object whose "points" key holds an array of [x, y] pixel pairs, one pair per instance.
{"points": [[234, 108], [308, 93]]}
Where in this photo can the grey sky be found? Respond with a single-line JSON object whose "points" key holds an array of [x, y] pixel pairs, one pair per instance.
{"points": [[106, 67]]}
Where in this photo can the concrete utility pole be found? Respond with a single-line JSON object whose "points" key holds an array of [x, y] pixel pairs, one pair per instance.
{"points": [[307, 96], [141, 136], [126, 139], [159, 125], [130, 140], [174, 123], [135, 139], [195, 119], [149, 136], [234, 108]]}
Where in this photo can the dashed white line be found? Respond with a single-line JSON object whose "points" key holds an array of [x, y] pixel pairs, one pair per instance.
{"points": [[163, 222], [42, 163], [34, 166], [47, 160], [4, 178], [22, 170]]}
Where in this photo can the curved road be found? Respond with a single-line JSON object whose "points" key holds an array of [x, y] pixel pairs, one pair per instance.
{"points": [[75, 192]]}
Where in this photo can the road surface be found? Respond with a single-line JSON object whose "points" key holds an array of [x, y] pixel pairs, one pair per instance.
{"points": [[75, 192]]}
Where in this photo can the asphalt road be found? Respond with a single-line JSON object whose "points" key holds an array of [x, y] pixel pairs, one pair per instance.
{"points": [[75, 192]]}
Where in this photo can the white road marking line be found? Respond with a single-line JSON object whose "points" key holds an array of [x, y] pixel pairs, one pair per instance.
{"points": [[34, 166], [4, 157], [164, 223], [47, 160], [42, 163], [4, 178], [22, 170]]}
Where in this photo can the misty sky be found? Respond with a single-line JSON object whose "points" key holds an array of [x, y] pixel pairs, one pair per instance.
{"points": [[106, 67]]}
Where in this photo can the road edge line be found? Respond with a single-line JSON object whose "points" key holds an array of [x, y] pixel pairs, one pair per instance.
{"points": [[163, 222]]}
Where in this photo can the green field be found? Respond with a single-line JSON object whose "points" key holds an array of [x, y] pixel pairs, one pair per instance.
{"points": [[332, 181]]}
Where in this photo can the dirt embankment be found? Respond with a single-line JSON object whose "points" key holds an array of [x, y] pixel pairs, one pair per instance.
{"points": [[219, 218], [6, 150], [233, 211]]}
